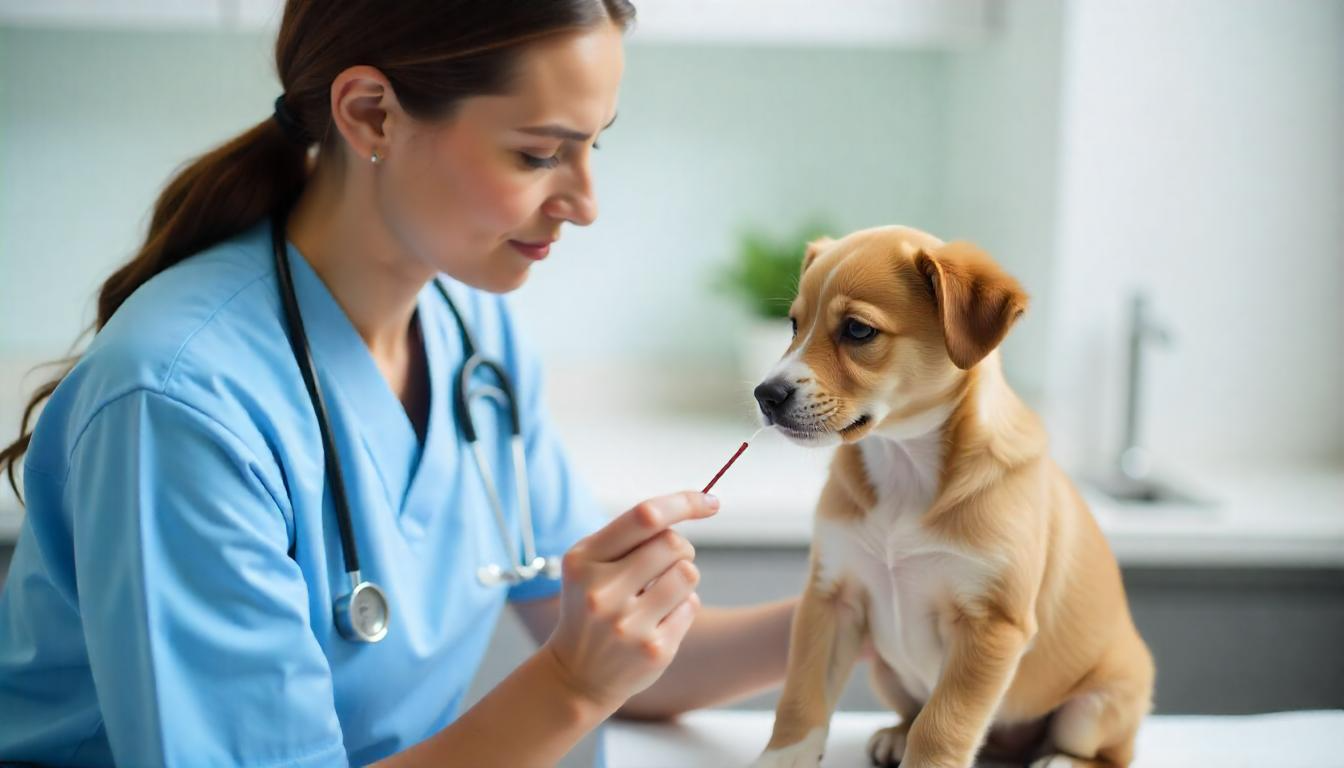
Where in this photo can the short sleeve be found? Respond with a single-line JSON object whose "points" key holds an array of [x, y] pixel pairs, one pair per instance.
{"points": [[195, 618], [564, 508]]}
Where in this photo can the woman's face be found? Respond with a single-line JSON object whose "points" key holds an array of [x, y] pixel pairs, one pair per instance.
{"points": [[482, 195]]}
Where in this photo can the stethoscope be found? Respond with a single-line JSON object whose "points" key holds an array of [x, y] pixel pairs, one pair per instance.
{"points": [[362, 614]]}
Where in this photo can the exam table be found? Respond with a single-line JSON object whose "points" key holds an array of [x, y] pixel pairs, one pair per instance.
{"points": [[733, 738]]}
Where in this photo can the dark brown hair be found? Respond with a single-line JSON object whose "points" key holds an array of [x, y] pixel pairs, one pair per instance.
{"points": [[434, 53]]}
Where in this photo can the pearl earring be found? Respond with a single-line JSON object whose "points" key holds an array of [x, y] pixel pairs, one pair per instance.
{"points": [[374, 158]]}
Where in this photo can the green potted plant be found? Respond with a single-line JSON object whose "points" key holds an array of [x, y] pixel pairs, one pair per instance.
{"points": [[764, 276]]}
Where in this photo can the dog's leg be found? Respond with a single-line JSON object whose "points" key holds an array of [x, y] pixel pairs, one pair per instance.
{"points": [[978, 668], [1097, 728], [1065, 761], [827, 633], [1015, 743], [887, 745], [1098, 725]]}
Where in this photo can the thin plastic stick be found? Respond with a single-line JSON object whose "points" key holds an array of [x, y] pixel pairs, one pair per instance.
{"points": [[725, 467]]}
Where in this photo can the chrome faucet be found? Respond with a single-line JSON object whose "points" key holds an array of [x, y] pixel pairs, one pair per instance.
{"points": [[1134, 461], [1133, 479]]}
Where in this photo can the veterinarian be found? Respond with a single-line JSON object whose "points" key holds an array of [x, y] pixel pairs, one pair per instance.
{"points": [[275, 510]]}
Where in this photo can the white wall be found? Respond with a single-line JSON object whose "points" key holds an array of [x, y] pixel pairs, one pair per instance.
{"points": [[708, 141], [712, 139], [999, 176], [1203, 161], [91, 127], [1091, 146]]}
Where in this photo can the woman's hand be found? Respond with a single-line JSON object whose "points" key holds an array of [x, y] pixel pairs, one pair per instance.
{"points": [[628, 599]]}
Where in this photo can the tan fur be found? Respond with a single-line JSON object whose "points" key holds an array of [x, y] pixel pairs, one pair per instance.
{"points": [[1037, 623]]}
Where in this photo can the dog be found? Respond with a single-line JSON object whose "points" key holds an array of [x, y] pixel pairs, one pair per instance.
{"points": [[945, 537]]}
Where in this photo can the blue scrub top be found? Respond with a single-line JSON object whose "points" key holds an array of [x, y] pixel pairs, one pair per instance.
{"points": [[170, 596]]}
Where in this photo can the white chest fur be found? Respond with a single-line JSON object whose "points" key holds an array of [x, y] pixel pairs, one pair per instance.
{"points": [[911, 578]]}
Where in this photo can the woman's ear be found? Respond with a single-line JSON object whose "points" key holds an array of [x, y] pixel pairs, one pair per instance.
{"points": [[977, 301], [364, 109], [813, 248]]}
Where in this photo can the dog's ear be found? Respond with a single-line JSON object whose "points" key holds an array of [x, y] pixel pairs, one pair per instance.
{"points": [[977, 301], [813, 248]]}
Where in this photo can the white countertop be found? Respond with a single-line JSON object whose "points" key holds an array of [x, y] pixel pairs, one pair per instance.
{"points": [[1258, 518], [725, 738]]}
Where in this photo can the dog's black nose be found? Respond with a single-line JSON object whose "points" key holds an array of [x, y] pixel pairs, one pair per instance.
{"points": [[772, 395]]}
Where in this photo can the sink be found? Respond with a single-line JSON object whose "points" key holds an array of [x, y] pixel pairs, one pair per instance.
{"points": [[1131, 483], [1149, 492]]}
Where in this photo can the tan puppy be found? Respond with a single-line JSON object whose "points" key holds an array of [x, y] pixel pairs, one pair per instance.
{"points": [[945, 533]]}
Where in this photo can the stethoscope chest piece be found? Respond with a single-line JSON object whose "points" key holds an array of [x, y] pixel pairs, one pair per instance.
{"points": [[362, 615]]}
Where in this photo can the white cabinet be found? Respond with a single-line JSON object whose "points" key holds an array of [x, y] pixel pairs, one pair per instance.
{"points": [[909, 23], [111, 13], [919, 23], [143, 14], [257, 14]]}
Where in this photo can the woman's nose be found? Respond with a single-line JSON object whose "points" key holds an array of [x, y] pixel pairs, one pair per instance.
{"points": [[577, 203]]}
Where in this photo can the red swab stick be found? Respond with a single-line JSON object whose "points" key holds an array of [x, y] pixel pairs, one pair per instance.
{"points": [[725, 467]]}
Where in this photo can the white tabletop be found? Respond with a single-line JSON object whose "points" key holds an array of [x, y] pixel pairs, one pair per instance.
{"points": [[726, 738]]}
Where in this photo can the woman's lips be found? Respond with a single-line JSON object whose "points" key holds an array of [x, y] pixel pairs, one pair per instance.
{"points": [[534, 251]]}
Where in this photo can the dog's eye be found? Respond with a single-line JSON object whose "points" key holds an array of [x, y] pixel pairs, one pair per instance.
{"points": [[793, 323], [857, 331]]}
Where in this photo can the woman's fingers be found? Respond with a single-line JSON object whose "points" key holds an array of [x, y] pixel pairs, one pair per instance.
{"points": [[618, 593], [679, 620], [646, 520], [650, 560], [674, 627], [614, 633], [662, 598]]}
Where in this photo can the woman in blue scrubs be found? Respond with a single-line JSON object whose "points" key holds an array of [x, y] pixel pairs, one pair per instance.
{"points": [[170, 600]]}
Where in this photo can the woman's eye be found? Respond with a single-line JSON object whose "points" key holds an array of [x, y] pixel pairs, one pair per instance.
{"points": [[533, 161], [794, 324], [857, 331]]}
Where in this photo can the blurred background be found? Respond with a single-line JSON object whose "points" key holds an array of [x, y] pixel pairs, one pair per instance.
{"points": [[1165, 177]]}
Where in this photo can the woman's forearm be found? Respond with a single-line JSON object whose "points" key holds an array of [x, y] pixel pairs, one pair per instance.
{"points": [[532, 718], [729, 653]]}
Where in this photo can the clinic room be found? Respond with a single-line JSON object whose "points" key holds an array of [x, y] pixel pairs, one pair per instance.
{"points": [[672, 383]]}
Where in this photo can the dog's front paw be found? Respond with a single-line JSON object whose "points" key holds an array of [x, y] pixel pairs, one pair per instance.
{"points": [[804, 754], [887, 746]]}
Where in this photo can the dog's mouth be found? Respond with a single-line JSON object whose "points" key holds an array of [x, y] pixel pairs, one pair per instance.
{"points": [[856, 425], [812, 433]]}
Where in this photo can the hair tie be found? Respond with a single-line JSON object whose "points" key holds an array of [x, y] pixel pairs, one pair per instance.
{"points": [[293, 131]]}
